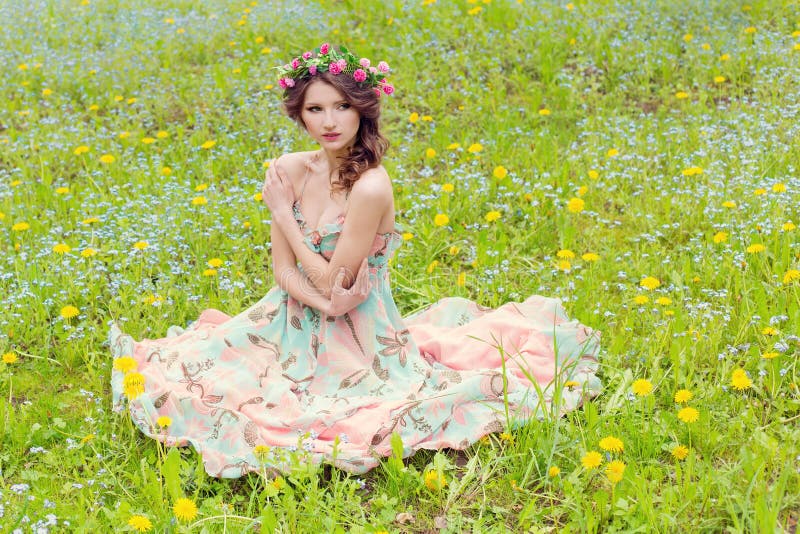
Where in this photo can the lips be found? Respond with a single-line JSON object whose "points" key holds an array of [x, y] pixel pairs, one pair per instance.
{"points": [[330, 137]]}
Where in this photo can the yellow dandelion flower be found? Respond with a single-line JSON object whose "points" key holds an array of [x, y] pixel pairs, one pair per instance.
{"points": [[760, 191], [81, 150], [729, 204], [199, 201], [739, 380], [448, 187], [591, 460], [642, 387], [724, 57], [434, 480], [571, 384], [564, 265], [427, 118], [166, 171], [133, 385], [441, 219], [62, 190], [692, 171], [792, 275], [593, 175], [750, 29], [492, 216], [565, 254], [680, 95], [461, 281], [61, 248], [161, 134], [210, 272], [688, 415], [615, 471], [185, 509], [769, 355], [107, 158], [148, 140], [202, 187], [125, 364], [164, 421], [755, 248], [474, 148], [413, 118], [663, 301], [590, 256], [687, 37], [544, 112], [680, 452], [682, 396], [124, 135], [641, 299], [68, 312], [719, 79], [408, 236], [140, 523], [612, 444], [88, 253], [9, 358], [215, 263], [430, 153], [769, 331], [788, 226], [500, 172], [431, 266], [553, 471], [649, 282], [612, 152], [720, 237], [453, 250], [575, 205], [208, 144], [140, 245]]}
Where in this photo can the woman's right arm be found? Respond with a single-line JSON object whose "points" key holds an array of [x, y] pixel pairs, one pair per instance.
{"points": [[289, 277]]}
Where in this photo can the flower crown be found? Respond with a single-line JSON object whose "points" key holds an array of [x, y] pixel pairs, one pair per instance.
{"points": [[327, 59]]}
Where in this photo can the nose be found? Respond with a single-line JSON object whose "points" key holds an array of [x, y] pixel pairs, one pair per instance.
{"points": [[328, 123]]}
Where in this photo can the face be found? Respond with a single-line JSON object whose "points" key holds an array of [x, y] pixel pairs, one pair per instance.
{"points": [[328, 118]]}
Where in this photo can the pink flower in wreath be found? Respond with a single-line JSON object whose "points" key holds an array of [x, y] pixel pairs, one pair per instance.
{"points": [[373, 70], [377, 92], [383, 67], [324, 48], [282, 83], [295, 63], [388, 89], [312, 70], [364, 62], [306, 55], [359, 75], [334, 68]]}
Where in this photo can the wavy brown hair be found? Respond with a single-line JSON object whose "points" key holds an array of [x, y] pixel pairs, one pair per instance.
{"points": [[370, 145]]}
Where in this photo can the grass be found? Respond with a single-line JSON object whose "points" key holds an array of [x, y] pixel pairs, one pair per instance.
{"points": [[675, 124]]}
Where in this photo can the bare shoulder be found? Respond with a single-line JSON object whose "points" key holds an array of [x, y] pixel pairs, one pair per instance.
{"points": [[294, 164], [374, 185]]}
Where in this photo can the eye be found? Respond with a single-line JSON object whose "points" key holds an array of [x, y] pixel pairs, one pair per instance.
{"points": [[345, 106], [313, 108]]}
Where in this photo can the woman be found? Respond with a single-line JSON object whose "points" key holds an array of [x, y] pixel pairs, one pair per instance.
{"points": [[324, 361]]}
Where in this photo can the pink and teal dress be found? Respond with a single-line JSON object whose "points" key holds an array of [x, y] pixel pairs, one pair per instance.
{"points": [[279, 379]]}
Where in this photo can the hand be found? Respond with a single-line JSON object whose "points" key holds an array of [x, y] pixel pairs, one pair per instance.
{"points": [[343, 300], [277, 192]]}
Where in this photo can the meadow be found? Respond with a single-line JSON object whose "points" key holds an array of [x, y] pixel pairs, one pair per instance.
{"points": [[636, 160]]}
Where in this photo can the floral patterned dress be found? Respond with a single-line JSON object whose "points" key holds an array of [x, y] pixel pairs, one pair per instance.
{"points": [[280, 378]]}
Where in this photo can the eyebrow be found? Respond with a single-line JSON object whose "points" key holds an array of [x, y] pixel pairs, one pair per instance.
{"points": [[317, 104]]}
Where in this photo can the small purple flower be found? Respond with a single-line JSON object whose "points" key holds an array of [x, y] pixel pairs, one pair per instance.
{"points": [[334, 68], [324, 48], [295, 63], [306, 55], [312, 70], [384, 67], [364, 62], [359, 75]]}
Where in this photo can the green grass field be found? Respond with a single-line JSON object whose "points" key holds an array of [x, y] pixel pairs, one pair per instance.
{"points": [[637, 161]]}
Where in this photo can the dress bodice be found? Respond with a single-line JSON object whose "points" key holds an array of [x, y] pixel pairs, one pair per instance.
{"points": [[323, 240]]}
